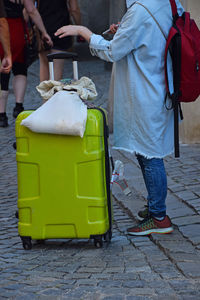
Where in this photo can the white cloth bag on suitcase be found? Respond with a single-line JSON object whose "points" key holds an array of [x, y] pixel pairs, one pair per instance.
{"points": [[65, 113], [84, 87]]}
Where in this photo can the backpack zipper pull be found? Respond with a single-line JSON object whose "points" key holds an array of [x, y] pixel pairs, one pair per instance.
{"points": [[197, 66]]}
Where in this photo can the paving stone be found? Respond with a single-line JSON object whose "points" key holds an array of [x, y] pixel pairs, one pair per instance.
{"points": [[141, 291], [179, 256], [51, 292], [189, 297], [138, 298], [186, 195], [183, 246], [181, 285], [133, 284], [113, 298], [182, 212], [190, 269], [110, 283], [191, 232], [181, 221]]}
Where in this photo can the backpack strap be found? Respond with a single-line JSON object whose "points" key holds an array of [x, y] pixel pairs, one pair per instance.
{"points": [[153, 18], [174, 8]]}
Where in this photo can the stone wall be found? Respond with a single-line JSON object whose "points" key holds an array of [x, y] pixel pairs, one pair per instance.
{"points": [[95, 14], [99, 14], [117, 10], [190, 127]]}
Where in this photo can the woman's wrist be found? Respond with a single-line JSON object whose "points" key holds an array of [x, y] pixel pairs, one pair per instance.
{"points": [[85, 33]]}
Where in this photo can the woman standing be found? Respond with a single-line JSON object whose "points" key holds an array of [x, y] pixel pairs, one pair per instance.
{"points": [[14, 11], [55, 14], [142, 123]]}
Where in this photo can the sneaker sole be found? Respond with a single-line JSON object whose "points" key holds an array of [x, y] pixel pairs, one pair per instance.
{"points": [[150, 231]]}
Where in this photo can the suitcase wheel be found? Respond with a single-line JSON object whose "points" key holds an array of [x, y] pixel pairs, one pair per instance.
{"points": [[26, 242], [98, 242], [107, 236]]}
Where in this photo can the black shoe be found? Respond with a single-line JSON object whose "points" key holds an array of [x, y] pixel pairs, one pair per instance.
{"points": [[3, 120], [17, 109], [143, 214]]}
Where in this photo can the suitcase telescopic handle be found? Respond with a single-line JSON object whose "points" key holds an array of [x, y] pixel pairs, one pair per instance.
{"points": [[63, 55]]}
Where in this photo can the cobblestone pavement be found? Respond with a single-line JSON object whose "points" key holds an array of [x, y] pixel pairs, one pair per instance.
{"points": [[154, 267]]}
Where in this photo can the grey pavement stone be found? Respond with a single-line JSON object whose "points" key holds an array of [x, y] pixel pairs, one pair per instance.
{"points": [[184, 285], [190, 297], [175, 187], [126, 276], [167, 291], [134, 284], [113, 297], [139, 270], [191, 232], [183, 246], [190, 269], [185, 257], [141, 291], [181, 212], [150, 277], [188, 220], [186, 195], [110, 283], [195, 203], [138, 298]]}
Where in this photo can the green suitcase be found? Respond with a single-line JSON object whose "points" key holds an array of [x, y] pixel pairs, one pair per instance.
{"points": [[64, 183]]}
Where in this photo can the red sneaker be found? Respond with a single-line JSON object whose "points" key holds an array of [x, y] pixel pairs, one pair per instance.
{"points": [[151, 225]]}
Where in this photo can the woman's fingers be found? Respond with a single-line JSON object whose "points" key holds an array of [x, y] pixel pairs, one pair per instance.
{"points": [[63, 31], [66, 31], [61, 35]]}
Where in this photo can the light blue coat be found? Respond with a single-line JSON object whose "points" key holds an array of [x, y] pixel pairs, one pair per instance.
{"points": [[142, 124]]}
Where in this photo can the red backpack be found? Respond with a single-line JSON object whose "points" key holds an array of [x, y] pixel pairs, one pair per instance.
{"points": [[183, 44]]}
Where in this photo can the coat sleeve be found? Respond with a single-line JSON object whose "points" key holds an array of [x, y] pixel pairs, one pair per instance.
{"points": [[129, 37]]}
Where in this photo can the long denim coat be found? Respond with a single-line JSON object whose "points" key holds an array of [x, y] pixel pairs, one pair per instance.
{"points": [[142, 124]]}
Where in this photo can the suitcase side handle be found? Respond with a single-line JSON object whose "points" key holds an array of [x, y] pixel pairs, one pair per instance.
{"points": [[63, 55]]}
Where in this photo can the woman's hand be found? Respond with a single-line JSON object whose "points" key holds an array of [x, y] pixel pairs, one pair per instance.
{"points": [[113, 28], [71, 30]]}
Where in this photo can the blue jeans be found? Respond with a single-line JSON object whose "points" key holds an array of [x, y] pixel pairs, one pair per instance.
{"points": [[155, 179]]}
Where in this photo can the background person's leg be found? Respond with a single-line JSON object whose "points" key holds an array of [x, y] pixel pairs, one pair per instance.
{"points": [[19, 86], [58, 66], [44, 65], [3, 99]]}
